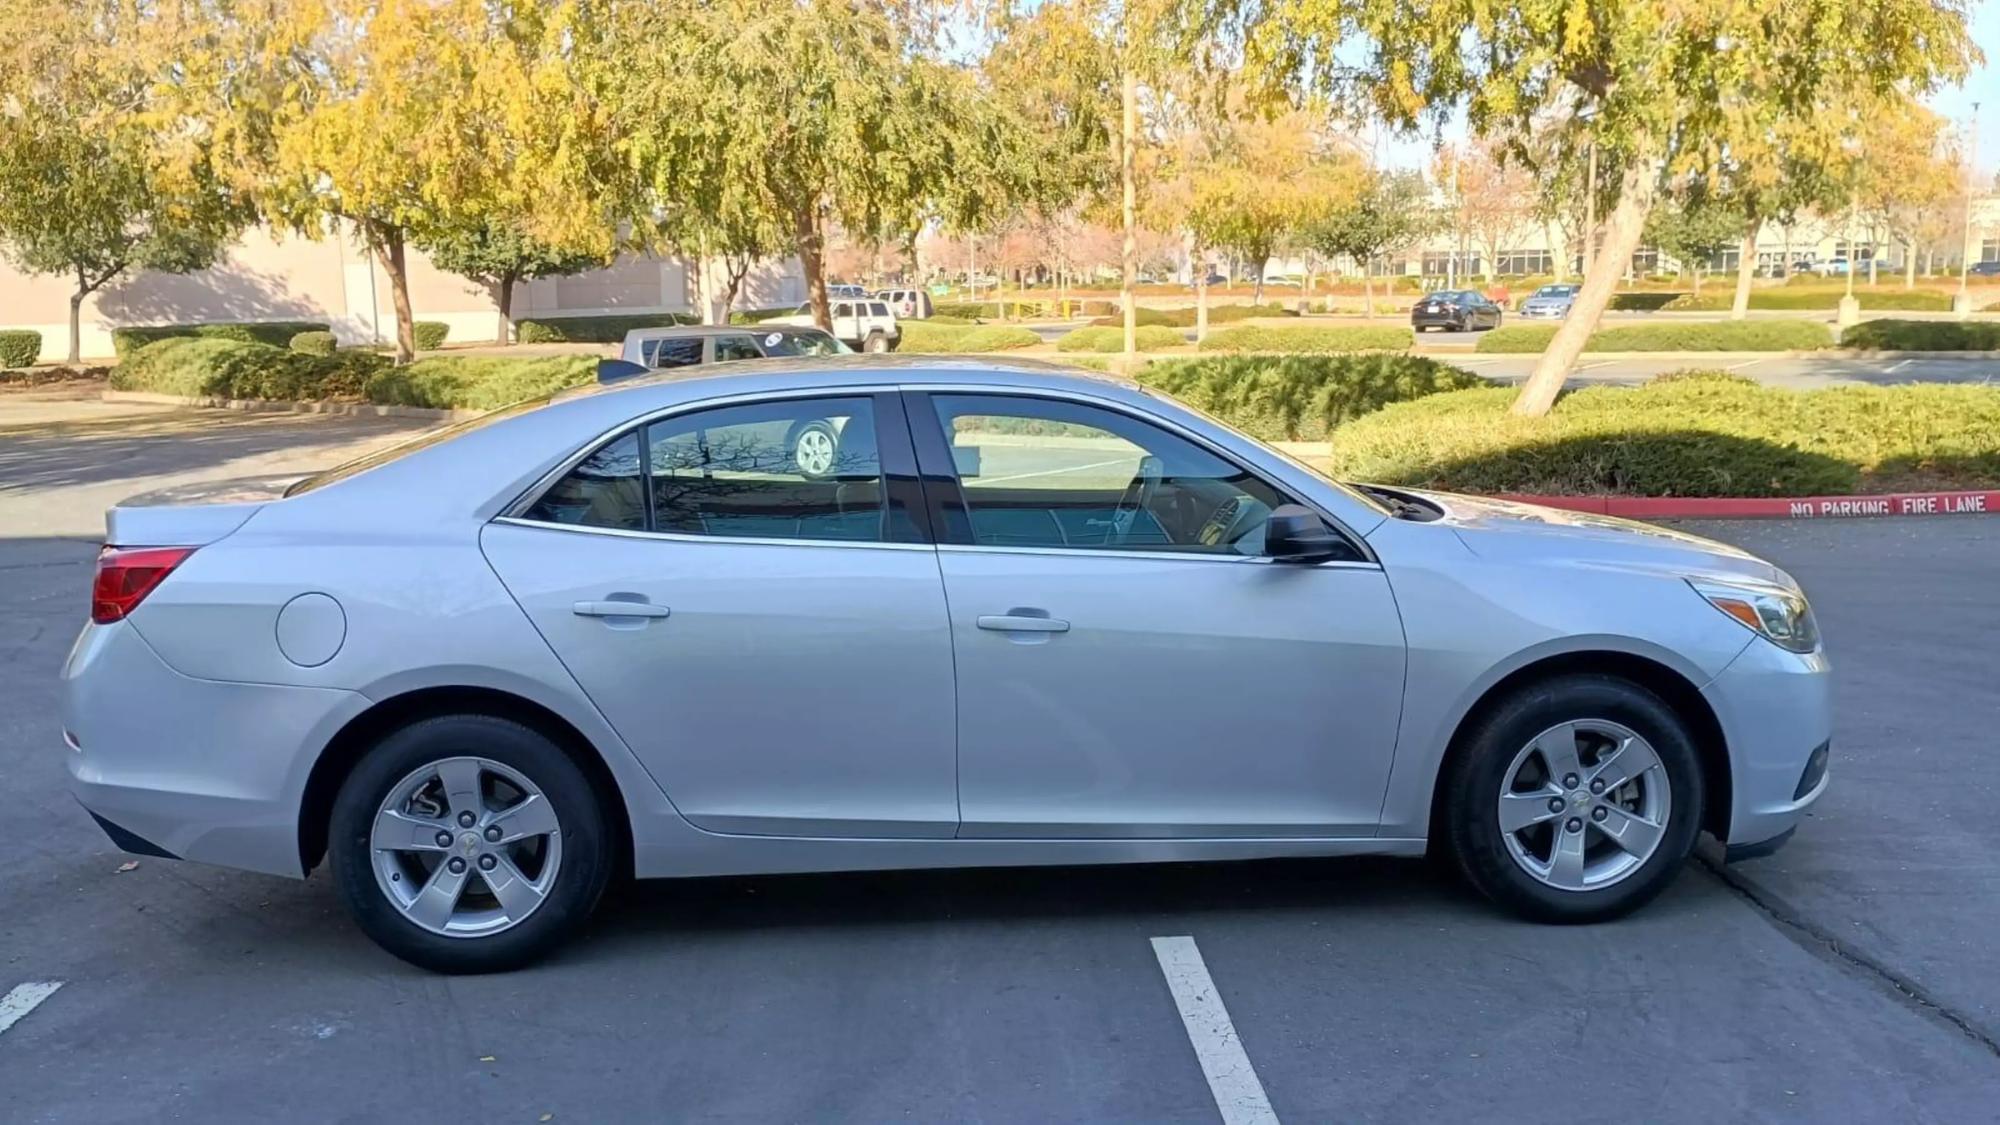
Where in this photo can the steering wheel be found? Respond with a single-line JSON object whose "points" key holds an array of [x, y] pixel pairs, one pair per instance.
{"points": [[1137, 497], [1220, 523]]}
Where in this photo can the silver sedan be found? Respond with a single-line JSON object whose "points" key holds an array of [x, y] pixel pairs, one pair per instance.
{"points": [[862, 614]]}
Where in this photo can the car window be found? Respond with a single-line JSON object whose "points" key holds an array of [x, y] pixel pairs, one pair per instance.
{"points": [[877, 308], [736, 347], [1048, 473], [605, 489], [842, 309], [792, 469], [803, 343], [673, 351]]}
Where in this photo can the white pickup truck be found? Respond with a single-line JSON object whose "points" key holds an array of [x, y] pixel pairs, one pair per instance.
{"points": [[865, 325]]}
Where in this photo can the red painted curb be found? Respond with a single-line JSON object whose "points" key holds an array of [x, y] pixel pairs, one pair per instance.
{"points": [[1775, 507]]}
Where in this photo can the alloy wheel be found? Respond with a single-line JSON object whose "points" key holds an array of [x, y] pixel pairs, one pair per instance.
{"points": [[1584, 805], [466, 847]]}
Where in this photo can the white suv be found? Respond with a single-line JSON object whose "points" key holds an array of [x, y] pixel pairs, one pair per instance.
{"points": [[865, 325]]}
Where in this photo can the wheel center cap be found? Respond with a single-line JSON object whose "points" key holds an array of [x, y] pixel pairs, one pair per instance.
{"points": [[469, 843], [1580, 798]]}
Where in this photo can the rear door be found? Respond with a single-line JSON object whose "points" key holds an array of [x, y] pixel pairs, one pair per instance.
{"points": [[773, 645]]}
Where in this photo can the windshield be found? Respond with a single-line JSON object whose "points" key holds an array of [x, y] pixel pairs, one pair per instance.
{"points": [[403, 449], [1555, 291]]}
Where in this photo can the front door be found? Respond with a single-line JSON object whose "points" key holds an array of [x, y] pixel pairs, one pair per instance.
{"points": [[1129, 664], [770, 638]]}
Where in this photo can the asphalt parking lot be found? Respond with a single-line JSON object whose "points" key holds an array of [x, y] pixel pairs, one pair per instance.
{"points": [[1853, 976]]}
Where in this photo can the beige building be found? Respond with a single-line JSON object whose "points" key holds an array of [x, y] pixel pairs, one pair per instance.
{"points": [[333, 280]]}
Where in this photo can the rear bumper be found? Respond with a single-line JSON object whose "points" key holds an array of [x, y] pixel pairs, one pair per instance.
{"points": [[192, 769], [1776, 712], [1434, 320]]}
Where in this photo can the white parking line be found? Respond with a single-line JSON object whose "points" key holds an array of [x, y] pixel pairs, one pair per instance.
{"points": [[23, 999], [1231, 1079], [1895, 367], [1744, 364]]}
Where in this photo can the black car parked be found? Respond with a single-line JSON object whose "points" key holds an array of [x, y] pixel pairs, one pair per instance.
{"points": [[1460, 310]]}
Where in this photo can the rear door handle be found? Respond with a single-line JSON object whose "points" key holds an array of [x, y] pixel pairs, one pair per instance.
{"points": [[620, 609], [1021, 623]]}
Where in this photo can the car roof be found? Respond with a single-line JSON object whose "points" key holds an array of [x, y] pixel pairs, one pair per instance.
{"points": [[750, 376], [669, 331]]}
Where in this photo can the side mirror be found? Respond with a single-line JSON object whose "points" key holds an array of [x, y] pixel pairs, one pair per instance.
{"points": [[1295, 533]]}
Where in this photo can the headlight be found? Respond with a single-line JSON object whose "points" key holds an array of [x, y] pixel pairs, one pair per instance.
{"points": [[1777, 613]]}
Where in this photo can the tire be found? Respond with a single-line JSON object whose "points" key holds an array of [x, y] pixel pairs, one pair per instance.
{"points": [[875, 343], [506, 751], [814, 449], [1476, 781]]}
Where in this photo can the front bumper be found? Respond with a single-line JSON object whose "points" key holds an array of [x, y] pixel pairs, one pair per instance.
{"points": [[1532, 312], [194, 769], [1776, 712]]}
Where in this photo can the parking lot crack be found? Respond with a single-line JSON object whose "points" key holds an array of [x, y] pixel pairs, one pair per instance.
{"points": [[1827, 946]]}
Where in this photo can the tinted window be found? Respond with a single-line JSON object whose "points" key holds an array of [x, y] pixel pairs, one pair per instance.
{"points": [[736, 347], [795, 469], [877, 308], [803, 343], [606, 489], [675, 351], [1044, 473], [842, 309]]}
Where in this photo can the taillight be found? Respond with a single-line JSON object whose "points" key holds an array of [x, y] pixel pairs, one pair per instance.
{"points": [[125, 575]]}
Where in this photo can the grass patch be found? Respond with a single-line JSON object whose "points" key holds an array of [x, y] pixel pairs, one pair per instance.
{"points": [[928, 336], [478, 382], [225, 368], [1724, 336], [276, 333], [591, 329], [1303, 397], [1923, 336], [1150, 339], [1301, 339], [1185, 317], [1802, 297], [1690, 436]]}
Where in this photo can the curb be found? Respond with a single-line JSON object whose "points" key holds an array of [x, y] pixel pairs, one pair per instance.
{"points": [[271, 406], [1774, 507]]}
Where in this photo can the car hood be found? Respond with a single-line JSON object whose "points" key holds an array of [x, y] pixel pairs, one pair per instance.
{"points": [[1546, 302], [1504, 530]]}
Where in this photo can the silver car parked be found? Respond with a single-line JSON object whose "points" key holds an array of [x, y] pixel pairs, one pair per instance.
{"points": [[1550, 302], [1023, 616]]}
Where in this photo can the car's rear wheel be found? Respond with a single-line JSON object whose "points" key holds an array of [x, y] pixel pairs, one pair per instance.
{"points": [[468, 843], [876, 342], [1576, 799]]}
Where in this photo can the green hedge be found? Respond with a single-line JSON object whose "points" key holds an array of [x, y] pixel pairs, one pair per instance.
{"points": [[1685, 437], [20, 348], [1148, 339], [929, 336], [1724, 297], [478, 382], [1308, 340], [234, 369], [314, 343], [276, 333], [754, 316], [1184, 316], [990, 310], [1300, 398], [1923, 335], [431, 334], [1719, 336], [591, 329]]}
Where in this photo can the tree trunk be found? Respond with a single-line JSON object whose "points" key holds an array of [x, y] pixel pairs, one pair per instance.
{"points": [[1696, 271], [503, 300], [76, 318], [1367, 290], [387, 239], [1128, 142], [1910, 264], [811, 247], [1200, 298], [1872, 262], [1261, 261], [1621, 238], [734, 273], [1746, 266]]}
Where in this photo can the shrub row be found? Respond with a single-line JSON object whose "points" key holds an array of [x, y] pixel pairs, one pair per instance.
{"points": [[1148, 339], [590, 329], [1723, 297], [931, 336], [20, 348], [1722, 336], [314, 343], [232, 369], [1307, 339], [1684, 437], [1923, 335], [1300, 398], [276, 333], [478, 382], [1184, 316]]}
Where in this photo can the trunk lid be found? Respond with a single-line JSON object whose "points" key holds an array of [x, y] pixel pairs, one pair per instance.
{"points": [[190, 515]]}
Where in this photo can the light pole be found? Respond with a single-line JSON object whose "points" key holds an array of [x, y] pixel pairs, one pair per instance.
{"points": [[1962, 304]]}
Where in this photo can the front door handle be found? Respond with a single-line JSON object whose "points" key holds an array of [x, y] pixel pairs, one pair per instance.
{"points": [[1022, 623], [619, 609]]}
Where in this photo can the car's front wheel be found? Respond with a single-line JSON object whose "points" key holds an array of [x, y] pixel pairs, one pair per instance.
{"points": [[1575, 799], [468, 843]]}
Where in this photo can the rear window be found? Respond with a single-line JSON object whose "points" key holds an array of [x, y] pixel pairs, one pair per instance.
{"points": [[877, 308], [673, 351], [422, 441]]}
